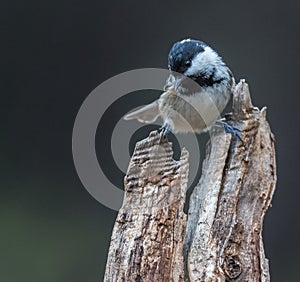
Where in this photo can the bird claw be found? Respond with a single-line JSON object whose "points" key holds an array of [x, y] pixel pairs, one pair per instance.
{"points": [[233, 130], [165, 130]]}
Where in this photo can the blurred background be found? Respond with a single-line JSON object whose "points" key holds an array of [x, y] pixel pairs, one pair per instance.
{"points": [[54, 53]]}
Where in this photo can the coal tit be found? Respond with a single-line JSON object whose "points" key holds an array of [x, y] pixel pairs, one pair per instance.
{"points": [[196, 92]]}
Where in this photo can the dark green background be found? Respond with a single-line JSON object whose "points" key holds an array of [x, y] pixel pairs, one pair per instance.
{"points": [[53, 53]]}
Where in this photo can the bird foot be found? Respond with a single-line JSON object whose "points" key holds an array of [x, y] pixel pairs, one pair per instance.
{"points": [[233, 130], [165, 130]]}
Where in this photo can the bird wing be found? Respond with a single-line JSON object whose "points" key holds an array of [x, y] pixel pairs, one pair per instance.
{"points": [[146, 114]]}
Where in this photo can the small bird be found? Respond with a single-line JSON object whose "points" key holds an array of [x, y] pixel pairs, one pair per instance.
{"points": [[196, 92]]}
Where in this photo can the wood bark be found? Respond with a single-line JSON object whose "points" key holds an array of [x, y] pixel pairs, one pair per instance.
{"points": [[221, 240], [147, 240]]}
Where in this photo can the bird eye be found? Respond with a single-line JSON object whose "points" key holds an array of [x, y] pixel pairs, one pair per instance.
{"points": [[187, 63]]}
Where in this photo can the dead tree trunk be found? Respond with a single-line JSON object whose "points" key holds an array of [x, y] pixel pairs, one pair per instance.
{"points": [[222, 238]]}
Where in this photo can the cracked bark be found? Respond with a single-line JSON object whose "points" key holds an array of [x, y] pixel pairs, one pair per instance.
{"points": [[222, 238]]}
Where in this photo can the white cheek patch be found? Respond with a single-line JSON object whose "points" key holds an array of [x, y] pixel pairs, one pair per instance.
{"points": [[203, 62]]}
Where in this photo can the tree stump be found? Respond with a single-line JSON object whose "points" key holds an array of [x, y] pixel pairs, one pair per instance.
{"points": [[221, 240]]}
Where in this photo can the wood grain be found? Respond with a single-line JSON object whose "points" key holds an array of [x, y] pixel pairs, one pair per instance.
{"points": [[221, 240]]}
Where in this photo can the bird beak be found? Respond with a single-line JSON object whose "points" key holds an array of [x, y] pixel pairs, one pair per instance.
{"points": [[178, 80]]}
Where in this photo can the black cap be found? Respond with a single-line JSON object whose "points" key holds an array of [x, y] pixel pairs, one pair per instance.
{"points": [[182, 53]]}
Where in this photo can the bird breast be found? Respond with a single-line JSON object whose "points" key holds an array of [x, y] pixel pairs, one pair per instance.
{"points": [[193, 112]]}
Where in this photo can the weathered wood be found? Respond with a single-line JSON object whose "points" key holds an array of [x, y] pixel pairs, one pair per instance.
{"points": [[222, 240], [227, 207], [148, 235]]}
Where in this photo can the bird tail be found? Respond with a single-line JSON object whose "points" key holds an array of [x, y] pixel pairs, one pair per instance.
{"points": [[146, 114]]}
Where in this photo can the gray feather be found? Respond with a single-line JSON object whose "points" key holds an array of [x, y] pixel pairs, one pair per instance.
{"points": [[146, 114]]}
